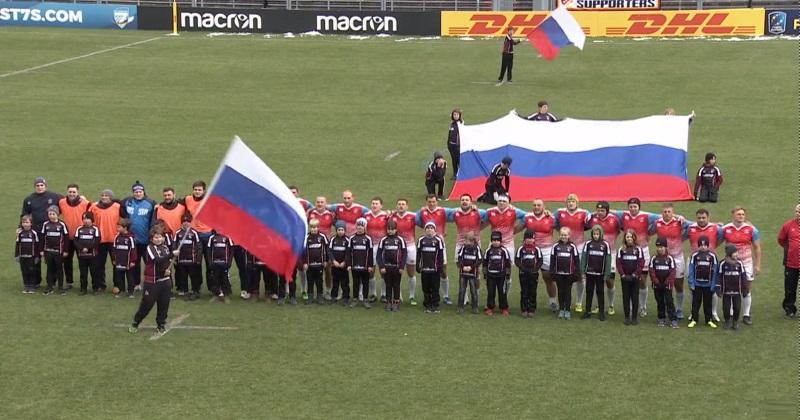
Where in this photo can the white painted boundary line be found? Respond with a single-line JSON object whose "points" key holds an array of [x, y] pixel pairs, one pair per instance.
{"points": [[391, 156], [67, 60], [183, 327], [175, 322]]}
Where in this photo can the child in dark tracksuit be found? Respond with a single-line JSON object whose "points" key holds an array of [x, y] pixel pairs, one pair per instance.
{"points": [[157, 284], [338, 250], [220, 255], [565, 269], [529, 260], [315, 261], [732, 285], [708, 180], [124, 257], [190, 253], [596, 265], [361, 261], [630, 264], [434, 176], [391, 258], [702, 281], [497, 271], [662, 272], [27, 253], [469, 260], [55, 248], [283, 285], [87, 244], [430, 257]]}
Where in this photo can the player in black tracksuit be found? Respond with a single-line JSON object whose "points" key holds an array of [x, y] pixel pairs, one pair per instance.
{"points": [[391, 258], [123, 259], [596, 266], [434, 176], [315, 261], [361, 261], [283, 285], [469, 260], [497, 271], [259, 271], [498, 182], [27, 252], [529, 260], [565, 269], [662, 275], [732, 285], [507, 63], [190, 254], [630, 264], [702, 281], [430, 257], [338, 250], [54, 238], [36, 205], [157, 283], [454, 140], [220, 255], [87, 243]]}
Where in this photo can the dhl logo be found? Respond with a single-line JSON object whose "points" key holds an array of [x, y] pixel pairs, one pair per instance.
{"points": [[692, 24], [492, 24]]}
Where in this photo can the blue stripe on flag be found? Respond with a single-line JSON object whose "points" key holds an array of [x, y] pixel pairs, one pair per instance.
{"points": [[553, 30]]}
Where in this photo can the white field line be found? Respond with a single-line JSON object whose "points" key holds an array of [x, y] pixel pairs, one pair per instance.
{"points": [[174, 323], [78, 57], [183, 327], [391, 156]]}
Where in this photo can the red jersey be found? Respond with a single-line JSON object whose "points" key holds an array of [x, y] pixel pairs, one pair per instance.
{"points": [[576, 222], [467, 221], [376, 225], [611, 227], [712, 230], [325, 218], [672, 231], [348, 215], [437, 215], [789, 239], [406, 225], [639, 224], [743, 238], [504, 222], [542, 228]]}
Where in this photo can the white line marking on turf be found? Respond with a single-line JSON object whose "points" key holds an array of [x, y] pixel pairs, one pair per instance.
{"points": [[175, 322], [183, 327], [391, 156], [67, 60]]}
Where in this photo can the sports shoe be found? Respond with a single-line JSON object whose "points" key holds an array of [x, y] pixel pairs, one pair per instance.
{"points": [[715, 318], [293, 301], [675, 325], [396, 307], [63, 292], [244, 295], [281, 301], [505, 312], [69, 286], [711, 324], [354, 303], [384, 300], [489, 312], [578, 308], [476, 311], [428, 310], [305, 296], [635, 321], [131, 295], [728, 324], [692, 324], [47, 292], [602, 316], [159, 332], [320, 300], [560, 314], [596, 310], [137, 288], [387, 307], [611, 310], [372, 299], [346, 302], [747, 320], [460, 310], [500, 83], [447, 300], [181, 293], [679, 313], [627, 321], [554, 307], [587, 315], [84, 292], [642, 312], [412, 301], [133, 329], [367, 305], [735, 325], [567, 315], [662, 322]]}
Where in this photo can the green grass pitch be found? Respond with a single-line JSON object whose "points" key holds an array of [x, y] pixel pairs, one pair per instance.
{"points": [[324, 113]]}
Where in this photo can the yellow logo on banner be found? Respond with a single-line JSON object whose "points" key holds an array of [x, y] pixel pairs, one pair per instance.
{"points": [[728, 22]]}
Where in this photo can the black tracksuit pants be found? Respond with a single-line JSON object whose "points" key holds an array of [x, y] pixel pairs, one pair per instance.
{"points": [[432, 184], [27, 267], [55, 269], [701, 296], [314, 279], [120, 275], [790, 278], [360, 281], [431, 280], [506, 64], [103, 252], [87, 266], [564, 286], [258, 272], [188, 272], [282, 288], [470, 282], [528, 283], [69, 266], [455, 156], [341, 280], [220, 280], [664, 303], [158, 294], [594, 284], [630, 296], [240, 259], [392, 278], [734, 301], [496, 286]]}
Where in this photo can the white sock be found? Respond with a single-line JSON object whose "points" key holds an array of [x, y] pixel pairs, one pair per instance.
{"points": [[746, 302], [412, 287], [372, 286], [714, 300], [446, 287], [303, 282], [551, 300], [610, 297], [383, 288], [580, 285], [642, 299], [679, 301]]}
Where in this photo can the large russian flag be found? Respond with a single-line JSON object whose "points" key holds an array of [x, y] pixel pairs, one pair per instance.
{"points": [[251, 205], [598, 160], [558, 30]]}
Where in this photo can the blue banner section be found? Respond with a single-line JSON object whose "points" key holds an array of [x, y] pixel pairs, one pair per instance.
{"points": [[68, 15], [782, 22]]}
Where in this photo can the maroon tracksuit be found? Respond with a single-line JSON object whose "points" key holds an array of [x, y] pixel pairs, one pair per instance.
{"points": [[27, 251], [55, 238], [157, 284], [87, 243], [123, 258]]}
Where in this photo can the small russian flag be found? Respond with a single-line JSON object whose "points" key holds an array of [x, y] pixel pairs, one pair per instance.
{"points": [[558, 30], [251, 205]]}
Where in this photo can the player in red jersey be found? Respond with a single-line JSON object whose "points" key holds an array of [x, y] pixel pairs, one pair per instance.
{"points": [[303, 202], [702, 226], [439, 216], [611, 229], [747, 240], [406, 228], [542, 223], [503, 218], [639, 222], [671, 227], [376, 229], [348, 212], [577, 220], [326, 218]]}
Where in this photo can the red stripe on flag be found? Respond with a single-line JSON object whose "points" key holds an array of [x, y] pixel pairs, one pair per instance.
{"points": [[541, 42], [612, 188], [245, 230]]}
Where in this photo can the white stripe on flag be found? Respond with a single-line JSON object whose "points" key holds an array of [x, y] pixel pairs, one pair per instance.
{"points": [[570, 26]]}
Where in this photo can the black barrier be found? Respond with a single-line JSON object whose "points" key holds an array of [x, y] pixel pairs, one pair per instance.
{"points": [[281, 21], [782, 22]]}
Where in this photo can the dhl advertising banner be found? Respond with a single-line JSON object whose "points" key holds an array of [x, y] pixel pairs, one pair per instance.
{"points": [[716, 23]]}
